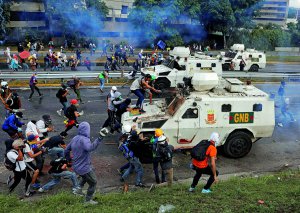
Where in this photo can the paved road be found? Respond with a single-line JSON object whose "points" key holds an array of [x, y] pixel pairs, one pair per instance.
{"points": [[270, 154]]}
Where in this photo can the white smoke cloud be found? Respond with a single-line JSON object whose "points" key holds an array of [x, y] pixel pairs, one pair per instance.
{"points": [[295, 3]]}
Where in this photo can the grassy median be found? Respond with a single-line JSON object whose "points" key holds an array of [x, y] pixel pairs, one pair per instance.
{"points": [[271, 193]]}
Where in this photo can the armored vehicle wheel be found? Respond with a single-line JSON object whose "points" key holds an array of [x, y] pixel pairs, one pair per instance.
{"points": [[254, 68], [162, 84], [238, 144]]}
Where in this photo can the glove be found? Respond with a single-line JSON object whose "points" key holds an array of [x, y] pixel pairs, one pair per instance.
{"points": [[20, 129], [103, 132], [81, 113]]}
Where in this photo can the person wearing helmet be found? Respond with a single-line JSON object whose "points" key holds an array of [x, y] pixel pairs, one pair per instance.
{"points": [[159, 141], [13, 104], [62, 97], [139, 86], [72, 114], [113, 99], [13, 126], [202, 167], [130, 153], [162, 154]]}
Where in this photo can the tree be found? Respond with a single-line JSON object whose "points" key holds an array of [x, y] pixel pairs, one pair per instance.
{"points": [[4, 16]]}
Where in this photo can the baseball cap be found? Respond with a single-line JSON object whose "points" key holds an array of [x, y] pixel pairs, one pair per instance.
{"points": [[74, 101], [32, 137], [18, 142], [114, 88]]}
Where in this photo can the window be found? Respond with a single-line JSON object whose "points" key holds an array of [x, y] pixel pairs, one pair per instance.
{"points": [[239, 57], [183, 67], [257, 107], [226, 108], [124, 9], [198, 64], [250, 56], [213, 65], [260, 56], [190, 113]]}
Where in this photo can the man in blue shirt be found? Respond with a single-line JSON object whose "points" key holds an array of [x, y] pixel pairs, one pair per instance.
{"points": [[12, 126]]}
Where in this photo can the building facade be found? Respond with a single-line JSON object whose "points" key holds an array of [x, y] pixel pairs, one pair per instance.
{"points": [[273, 11]]}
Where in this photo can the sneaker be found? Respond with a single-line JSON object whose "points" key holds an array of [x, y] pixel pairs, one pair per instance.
{"points": [[91, 202], [280, 124], [36, 186], [41, 190], [77, 191], [206, 191], [59, 112], [29, 194], [191, 189], [9, 180], [151, 187], [101, 90], [140, 185], [142, 111]]}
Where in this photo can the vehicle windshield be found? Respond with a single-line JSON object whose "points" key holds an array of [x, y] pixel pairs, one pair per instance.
{"points": [[230, 54], [169, 63], [174, 105]]}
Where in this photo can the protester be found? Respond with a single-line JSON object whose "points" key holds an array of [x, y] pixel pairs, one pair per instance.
{"points": [[87, 63], [59, 170], [202, 167], [113, 98], [62, 96], [130, 77], [76, 88], [122, 108], [44, 126], [15, 156], [33, 62], [284, 108], [281, 91], [24, 65], [56, 146], [47, 59], [14, 63], [102, 77], [81, 146], [242, 65], [12, 126], [72, 114], [138, 88], [32, 83]]}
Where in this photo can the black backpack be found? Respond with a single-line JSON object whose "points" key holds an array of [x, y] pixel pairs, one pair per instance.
{"points": [[58, 94], [199, 151], [8, 164], [165, 152]]}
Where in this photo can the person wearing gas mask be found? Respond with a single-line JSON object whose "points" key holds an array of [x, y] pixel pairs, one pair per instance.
{"points": [[44, 126], [13, 126]]}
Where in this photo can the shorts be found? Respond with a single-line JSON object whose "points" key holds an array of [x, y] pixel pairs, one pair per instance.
{"points": [[31, 166]]}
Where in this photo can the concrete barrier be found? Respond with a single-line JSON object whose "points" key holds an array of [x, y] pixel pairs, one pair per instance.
{"points": [[287, 49]]}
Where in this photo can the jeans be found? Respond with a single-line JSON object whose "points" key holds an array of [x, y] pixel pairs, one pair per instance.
{"points": [[91, 179], [56, 179], [199, 173], [56, 152], [169, 173], [156, 172], [65, 105], [137, 166], [139, 93], [102, 81], [33, 87]]}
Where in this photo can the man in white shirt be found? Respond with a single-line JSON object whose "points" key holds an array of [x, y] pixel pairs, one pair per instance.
{"points": [[44, 126], [15, 155]]}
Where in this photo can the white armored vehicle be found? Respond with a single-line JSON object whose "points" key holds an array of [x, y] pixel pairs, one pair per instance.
{"points": [[172, 71], [253, 59], [241, 114]]}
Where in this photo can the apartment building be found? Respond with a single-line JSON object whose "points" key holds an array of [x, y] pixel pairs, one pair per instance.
{"points": [[273, 11]]}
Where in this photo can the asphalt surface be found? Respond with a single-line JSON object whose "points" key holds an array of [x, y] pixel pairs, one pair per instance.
{"points": [[279, 152]]}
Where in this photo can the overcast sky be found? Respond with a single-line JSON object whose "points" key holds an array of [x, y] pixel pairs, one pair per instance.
{"points": [[295, 3]]}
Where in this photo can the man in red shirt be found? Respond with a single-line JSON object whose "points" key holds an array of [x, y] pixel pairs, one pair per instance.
{"points": [[202, 167]]}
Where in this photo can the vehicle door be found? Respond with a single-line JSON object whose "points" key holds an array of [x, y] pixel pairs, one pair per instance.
{"points": [[188, 125]]}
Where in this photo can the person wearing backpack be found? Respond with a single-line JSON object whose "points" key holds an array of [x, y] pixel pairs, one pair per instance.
{"points": [[13, 126], [162, 154], [58, 170], [201, 153], [62, 96], [16, 159], [72, 114]]}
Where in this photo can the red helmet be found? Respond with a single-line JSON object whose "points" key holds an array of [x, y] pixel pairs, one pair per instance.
{"points": [[74, 101]]}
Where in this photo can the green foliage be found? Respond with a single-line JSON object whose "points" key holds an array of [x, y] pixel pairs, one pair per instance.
{"points": [[279, 193]]}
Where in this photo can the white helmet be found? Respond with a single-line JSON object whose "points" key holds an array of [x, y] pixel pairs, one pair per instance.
{"points": [[215, 137], [287, 101], [114, 88], [162, 138], [4, 84], [126, 128]]}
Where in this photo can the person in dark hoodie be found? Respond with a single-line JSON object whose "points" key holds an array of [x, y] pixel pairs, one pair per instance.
{"points": [[81, 146]]}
